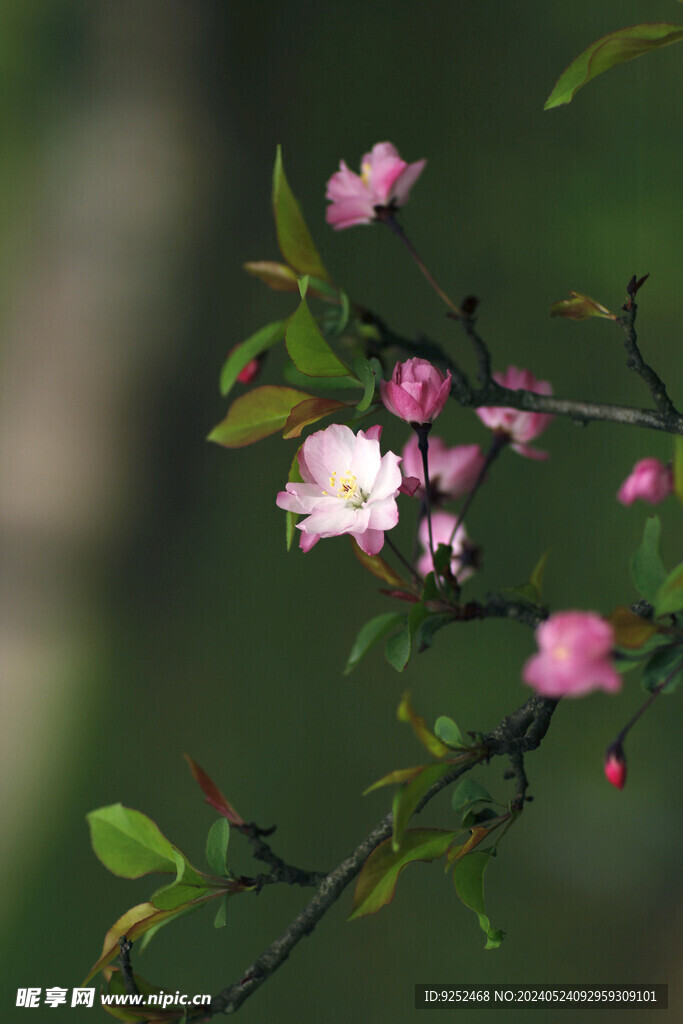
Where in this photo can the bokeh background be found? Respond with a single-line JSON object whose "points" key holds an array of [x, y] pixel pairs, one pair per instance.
{"points": [[148, 604]]}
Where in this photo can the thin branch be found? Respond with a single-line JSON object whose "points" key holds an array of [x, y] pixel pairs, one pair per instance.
{"points": [[636, 362], [386, 214], [125, 946], [518, 733], [493, 394], [279, 871]]}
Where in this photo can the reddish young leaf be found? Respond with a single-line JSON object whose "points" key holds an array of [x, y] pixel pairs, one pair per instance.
{"points": [[213, 795]]}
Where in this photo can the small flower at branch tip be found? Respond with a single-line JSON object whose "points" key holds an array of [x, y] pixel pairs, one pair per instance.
{"points": [[462, 564], [615, 765], [452, 471], [649, 480], [417, 391], [517, 424], [574, 656], [348, 487], [385, 181]]}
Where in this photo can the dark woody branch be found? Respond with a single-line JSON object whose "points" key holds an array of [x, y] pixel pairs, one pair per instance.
{"points": [[517, 734], [664, 417]]}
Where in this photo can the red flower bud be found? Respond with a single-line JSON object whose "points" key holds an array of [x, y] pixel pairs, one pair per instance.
{"points": [[615, 766]]}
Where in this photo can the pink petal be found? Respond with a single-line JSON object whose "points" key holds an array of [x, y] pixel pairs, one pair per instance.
{"points": [[371, 542], [403, 185]]}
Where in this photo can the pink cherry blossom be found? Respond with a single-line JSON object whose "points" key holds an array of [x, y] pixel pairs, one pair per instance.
{"points": [[650, 480], [417, 391], [574, 656], [518, 425], [385, 180], [348, 487], [615, 766], [442, 528], [452, 471]]}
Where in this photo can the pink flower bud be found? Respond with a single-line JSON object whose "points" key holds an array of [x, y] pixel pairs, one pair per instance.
{"points": [[452, 471], [520, 426], [249, 372], [417, 391], [385, 180], [615, 765], [574, 656], [650, 480]]}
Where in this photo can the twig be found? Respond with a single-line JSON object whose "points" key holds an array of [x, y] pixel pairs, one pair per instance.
{"points": [[125, 945], [387, 215], [494, 394], [518, 733], [637, 363], [280, 872], [497, 444]]}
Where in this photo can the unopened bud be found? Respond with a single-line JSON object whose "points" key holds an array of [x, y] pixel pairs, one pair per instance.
{"points": [[615, 765]]}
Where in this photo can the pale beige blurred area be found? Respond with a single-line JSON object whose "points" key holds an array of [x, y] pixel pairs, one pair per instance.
{"points": [[93, 254]]}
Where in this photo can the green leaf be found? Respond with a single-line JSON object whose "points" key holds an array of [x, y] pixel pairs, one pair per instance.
{"points": [[128, 843], [630, 630], [256, 415], [135, 923], [310, 411], [251, 348], [678, 462], [670, 595], [665, 665], [646, 566], [580, 307], [448, 732], [307, 348], [296, 244], [608, 52], [406, 713], [277, 276], [469, 792], [478, 816], [369, 635], [376, 885], [293, 517], [217, 846], [408, 797], [468, 876], [394, 778], [219, 920], [300, 380], [364, 371], [188, 886], [536, 579], [428, 628], [399, 647]]}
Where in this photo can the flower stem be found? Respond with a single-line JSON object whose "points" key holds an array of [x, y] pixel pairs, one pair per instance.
{"points": [[422, 431], [404, 561], [499, 441], [643, 708], [387, 216]]}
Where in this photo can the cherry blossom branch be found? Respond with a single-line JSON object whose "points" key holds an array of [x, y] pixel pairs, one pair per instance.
{"points": [[517, 734], [636, 362], [279, 871], [493, 394]]}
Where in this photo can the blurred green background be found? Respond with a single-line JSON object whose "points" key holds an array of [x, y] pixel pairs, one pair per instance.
{"points": [[148, 604]]}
